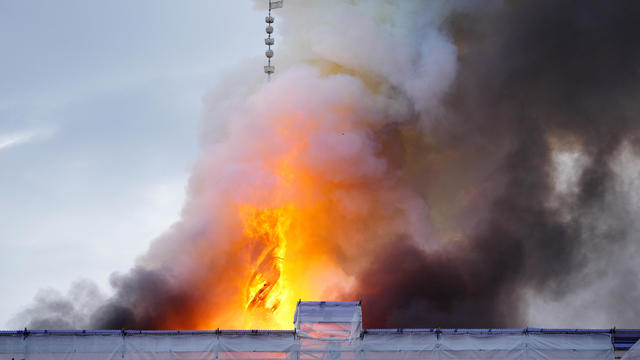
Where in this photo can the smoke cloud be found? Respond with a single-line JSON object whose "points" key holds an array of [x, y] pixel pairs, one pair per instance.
{"points": [[450, 164]]}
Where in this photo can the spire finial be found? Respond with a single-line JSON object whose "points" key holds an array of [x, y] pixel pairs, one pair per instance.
{"points": [[270, 69]]}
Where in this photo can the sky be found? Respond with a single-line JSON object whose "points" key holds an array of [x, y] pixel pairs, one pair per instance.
{"points": [[100, 109]]}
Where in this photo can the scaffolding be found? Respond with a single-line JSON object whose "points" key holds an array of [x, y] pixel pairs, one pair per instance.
{"points": [[323, 330]]}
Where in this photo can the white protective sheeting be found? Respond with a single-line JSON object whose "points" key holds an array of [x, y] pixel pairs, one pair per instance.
{"points": [[633, 353], [70, 347], [328, 319], [372, 345]]}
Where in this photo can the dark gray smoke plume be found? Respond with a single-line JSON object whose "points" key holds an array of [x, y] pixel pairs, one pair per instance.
{"points": [[534, 77]]}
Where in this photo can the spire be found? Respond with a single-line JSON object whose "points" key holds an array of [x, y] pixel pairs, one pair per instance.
{"points": [[270, 69]]}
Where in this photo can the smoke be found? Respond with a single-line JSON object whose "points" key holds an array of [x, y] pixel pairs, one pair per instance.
{"points": [[450, 164], [535, 79], [52, 310]]}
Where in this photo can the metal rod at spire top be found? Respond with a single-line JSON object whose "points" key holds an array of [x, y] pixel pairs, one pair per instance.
{"points": [[269, 41]]}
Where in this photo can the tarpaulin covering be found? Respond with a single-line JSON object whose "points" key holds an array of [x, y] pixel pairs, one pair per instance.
{"points": [[633, 353], [375, 345], [328, 319], [324, 330]]}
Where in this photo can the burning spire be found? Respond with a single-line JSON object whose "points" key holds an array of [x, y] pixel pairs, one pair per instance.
{"points": [[270, 69]]}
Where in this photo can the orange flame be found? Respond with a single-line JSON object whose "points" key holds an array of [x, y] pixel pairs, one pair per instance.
{"points": [[266, 234], [284, 240]]}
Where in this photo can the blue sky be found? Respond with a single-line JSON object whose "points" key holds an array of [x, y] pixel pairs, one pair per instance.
{"points": [[100, 107]]}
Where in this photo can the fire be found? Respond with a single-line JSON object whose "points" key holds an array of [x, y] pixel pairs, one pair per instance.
{"points": [[266, 233], [285, 256], [282, 232]]}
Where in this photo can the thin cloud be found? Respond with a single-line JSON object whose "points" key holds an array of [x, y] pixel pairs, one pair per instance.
{"points": [[8, 140]]}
